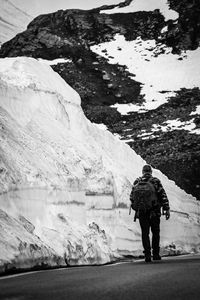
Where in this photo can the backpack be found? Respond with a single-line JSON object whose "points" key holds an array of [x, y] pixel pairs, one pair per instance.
{"points": [[144, 196]]}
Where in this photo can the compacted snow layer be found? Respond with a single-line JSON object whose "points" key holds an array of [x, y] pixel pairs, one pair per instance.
{"points": [[161, 72], [66, 181]]}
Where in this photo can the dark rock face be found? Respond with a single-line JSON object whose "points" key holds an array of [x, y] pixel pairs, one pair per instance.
{"points": [[186, 33], [99, 83], [70, 33], [176, 153]]}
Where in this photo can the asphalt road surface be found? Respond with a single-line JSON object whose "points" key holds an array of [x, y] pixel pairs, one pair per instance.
{"points": [[172, 278]]}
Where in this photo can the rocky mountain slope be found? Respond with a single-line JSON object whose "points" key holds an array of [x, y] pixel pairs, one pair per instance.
{"points": [[72, 34], [65, 183]]}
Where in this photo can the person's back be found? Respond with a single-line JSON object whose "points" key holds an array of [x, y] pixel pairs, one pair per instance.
{"points": [[144, 195], [147, 206]]}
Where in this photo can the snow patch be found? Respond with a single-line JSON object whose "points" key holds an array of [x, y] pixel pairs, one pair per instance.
{"points": [[196, 112], [171, 125], [177, 125], [124, 109], [101, 126], [146, 5], [54, 61], [161, 72]]}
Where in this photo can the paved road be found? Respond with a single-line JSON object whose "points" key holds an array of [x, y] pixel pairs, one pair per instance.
{"points": [[172, 278]]}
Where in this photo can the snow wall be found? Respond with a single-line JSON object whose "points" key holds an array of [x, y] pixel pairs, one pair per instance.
{"points": [[65, 183]]}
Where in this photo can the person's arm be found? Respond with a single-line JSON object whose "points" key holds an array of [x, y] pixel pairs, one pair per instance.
{"points": [[131, 195], [163, 198], [132, 200]]}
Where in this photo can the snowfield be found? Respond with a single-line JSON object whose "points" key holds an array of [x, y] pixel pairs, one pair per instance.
{"points": [[161, 72], [65, 183]]}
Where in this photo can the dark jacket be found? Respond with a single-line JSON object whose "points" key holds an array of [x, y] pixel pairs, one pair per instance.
{"points": [[162, 197]]}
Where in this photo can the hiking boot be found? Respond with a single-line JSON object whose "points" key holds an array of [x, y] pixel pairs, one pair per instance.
{"points": [[156, 257], [147, 259]]}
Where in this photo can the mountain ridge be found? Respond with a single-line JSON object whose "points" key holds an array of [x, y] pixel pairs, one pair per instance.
{"points": [[71, 33]]}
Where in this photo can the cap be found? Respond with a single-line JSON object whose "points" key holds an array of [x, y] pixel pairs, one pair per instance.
{"points": [[147, 169]]}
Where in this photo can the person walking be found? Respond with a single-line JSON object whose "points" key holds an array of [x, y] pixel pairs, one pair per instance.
{"points": [[147, 197]]}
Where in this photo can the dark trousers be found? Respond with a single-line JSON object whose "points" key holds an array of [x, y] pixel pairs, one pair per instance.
{"points": [[147, 221]]}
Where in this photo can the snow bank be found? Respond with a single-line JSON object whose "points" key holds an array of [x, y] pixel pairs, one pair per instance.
{"points": [[69, 179]]}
